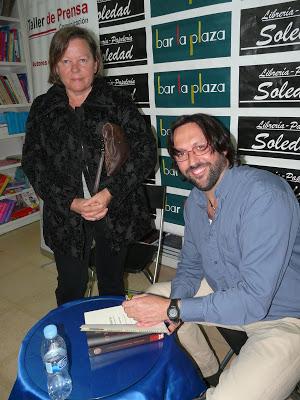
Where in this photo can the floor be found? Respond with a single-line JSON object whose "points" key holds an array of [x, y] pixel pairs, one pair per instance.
{"points": [[27, 284]]}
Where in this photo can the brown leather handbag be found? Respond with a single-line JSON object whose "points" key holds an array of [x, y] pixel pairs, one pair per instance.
{"points": [[114, 153]]}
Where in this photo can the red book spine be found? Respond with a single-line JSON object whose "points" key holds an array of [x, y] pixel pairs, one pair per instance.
{"points": [[124, 344]]}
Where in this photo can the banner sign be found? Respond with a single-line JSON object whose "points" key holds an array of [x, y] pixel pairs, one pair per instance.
{"points": [[277, 137], [164, 123], [163, 128], [292, 176], [193, 88], [270, 85], [123, 49], [174, 209], [196, 38], [136, 85], [170, 176], [115, 12], [270, 29], [159, 7], [43, 19]]}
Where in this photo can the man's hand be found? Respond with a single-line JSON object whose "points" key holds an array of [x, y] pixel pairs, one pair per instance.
{"points": [[147, 309]]}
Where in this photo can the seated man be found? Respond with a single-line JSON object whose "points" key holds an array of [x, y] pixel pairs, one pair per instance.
{"points": [[242, 237]]}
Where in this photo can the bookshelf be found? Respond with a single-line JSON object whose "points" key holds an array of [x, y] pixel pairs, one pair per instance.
{"points": [[15, 63]]}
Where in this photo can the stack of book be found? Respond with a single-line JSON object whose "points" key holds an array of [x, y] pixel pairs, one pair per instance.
{"points": [[110, 330], [106, 342]]}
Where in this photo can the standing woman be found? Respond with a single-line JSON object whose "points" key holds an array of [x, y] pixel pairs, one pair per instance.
{"points": [[60, 157]]}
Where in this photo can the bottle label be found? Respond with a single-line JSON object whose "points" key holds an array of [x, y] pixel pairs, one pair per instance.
{"points": [[53, 367]]}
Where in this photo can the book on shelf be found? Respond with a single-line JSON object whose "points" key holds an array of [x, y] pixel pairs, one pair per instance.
{"points": [[26, 203], [5, 90], [7, 6], [15, 186], [4, 95], [18, 182], [3, 208], [6, 209], [4, 180], [6, 162], [16, 86], [114, 319], [16, 121], [4, 34], [124, 344], [23, 80], [10, 208]]}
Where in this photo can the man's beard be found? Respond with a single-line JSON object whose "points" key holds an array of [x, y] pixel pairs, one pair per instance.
{"points": [[214, 173]]}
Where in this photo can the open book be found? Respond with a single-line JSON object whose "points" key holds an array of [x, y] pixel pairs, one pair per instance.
{"points": [[114, 319]]}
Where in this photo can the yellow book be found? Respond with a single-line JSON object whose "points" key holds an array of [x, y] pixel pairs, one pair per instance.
{"points": [[4, 179]]}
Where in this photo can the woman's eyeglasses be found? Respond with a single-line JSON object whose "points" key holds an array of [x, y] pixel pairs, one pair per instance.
{"points": [[197, 150]]}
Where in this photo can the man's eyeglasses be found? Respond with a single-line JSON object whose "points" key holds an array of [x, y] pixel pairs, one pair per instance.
{"points": [[197, 150]]}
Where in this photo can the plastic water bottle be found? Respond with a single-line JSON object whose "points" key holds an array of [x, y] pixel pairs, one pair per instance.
{"points": [[55, 358]]}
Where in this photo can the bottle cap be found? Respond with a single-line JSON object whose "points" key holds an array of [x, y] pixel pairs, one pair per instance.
{"points": [[50, 331]]}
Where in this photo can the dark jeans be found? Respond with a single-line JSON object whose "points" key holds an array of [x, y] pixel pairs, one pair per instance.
{"points": [[73, 273]]}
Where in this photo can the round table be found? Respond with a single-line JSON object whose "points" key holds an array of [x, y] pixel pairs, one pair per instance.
{"points": [[159, 370]]}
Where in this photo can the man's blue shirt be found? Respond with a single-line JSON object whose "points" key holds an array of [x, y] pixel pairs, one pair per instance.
{"points": [[249, 254]]}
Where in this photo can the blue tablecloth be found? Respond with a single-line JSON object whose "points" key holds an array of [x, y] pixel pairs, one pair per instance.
{"points": [[154, 371]]}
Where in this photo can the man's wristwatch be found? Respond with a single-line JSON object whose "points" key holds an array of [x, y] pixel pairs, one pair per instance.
{"points": [[173, 311]]}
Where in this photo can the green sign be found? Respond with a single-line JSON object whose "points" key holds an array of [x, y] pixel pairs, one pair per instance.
{"points": [[163, 127], [174, 209], [159, 7], [170, 176], [205, 88], [203, 37]]}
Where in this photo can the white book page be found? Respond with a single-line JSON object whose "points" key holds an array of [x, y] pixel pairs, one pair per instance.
{"points": [[115, 319]]}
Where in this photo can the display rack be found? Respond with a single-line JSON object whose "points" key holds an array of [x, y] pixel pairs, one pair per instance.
{"points": [[11, 144]]}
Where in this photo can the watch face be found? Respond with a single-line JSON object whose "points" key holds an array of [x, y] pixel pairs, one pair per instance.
{"points": [[173, 313]]}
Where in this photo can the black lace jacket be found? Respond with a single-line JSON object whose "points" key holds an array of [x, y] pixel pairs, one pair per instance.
{"points": [[53, 159]]}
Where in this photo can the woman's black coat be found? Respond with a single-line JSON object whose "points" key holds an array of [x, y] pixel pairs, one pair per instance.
{"points": [[53, 160]]}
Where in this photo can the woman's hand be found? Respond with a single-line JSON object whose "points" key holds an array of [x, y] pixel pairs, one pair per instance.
{"points": [[92, 209], [102, 198]]}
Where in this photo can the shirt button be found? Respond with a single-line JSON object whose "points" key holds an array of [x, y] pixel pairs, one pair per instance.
{"points": [[215, 262]]}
